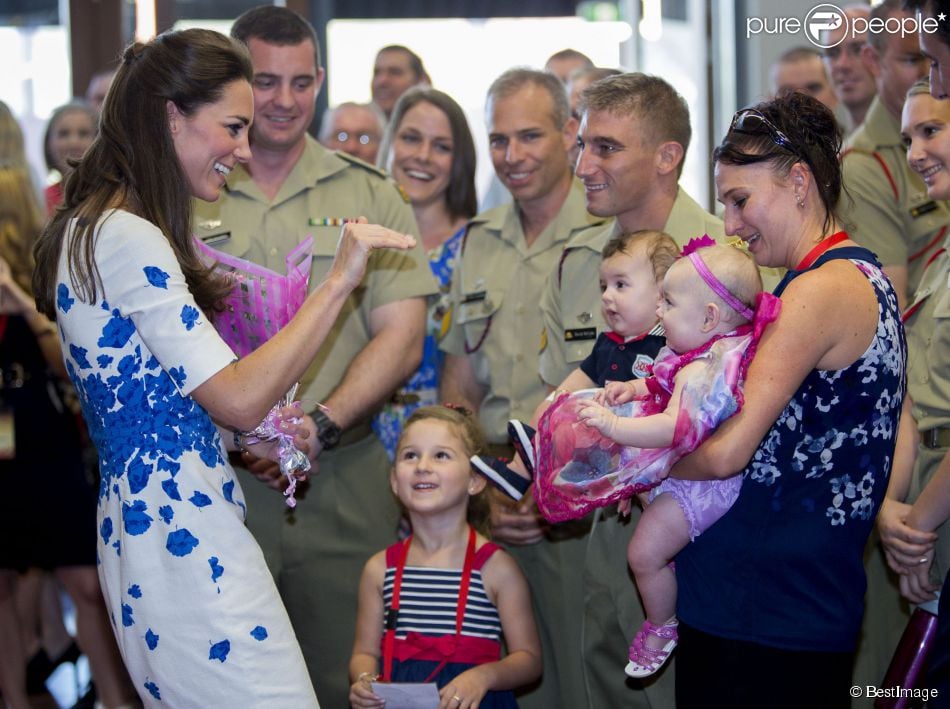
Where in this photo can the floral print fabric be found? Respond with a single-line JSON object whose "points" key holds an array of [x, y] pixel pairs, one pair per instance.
{"points": [[195, 611], [784, 566]]}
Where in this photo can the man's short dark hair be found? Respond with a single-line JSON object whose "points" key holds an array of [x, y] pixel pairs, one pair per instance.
{"points": [[276, 25]]}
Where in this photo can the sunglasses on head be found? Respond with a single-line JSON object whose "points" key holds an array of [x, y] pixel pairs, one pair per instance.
{"points": [[752, 122]]}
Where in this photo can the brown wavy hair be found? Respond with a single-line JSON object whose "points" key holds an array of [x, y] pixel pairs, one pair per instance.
{"points": [[466, 426], [460, 195], [132, 163]]}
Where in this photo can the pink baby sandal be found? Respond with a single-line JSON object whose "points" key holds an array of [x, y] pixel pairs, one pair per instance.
{"points": [[644, 661]]}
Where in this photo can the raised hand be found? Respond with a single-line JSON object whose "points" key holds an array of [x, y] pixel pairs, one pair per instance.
{"points": [[357, 240]]}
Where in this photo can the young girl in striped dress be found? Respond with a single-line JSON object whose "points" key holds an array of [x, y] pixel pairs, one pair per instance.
{"points": [[435, 607]]}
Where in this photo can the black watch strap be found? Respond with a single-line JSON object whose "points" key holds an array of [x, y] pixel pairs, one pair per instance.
{"points": [[327, 430]]}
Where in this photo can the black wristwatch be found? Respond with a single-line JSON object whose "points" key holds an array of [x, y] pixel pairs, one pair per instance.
{"points": [[327, 430]]}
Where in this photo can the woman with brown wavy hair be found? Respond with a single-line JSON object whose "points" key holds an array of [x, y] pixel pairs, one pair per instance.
{"points": [[197, 615]]}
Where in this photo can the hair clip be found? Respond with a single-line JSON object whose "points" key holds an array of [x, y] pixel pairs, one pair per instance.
{"points": [[457, 407], [697, 243]]}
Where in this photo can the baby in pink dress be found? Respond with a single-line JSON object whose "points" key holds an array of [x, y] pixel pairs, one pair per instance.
{"points": [[588, 454]]}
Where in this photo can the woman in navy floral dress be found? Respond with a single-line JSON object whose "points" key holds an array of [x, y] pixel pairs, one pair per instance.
{"points": [[196, 614], [428, 148], [772, 595]]}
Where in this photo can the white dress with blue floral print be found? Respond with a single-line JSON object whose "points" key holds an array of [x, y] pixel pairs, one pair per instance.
{"points": [[196, 614]]}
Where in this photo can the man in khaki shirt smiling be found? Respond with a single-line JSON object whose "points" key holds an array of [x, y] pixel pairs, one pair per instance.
{"points": [[633, 138], [292, 188], [491, 364]]}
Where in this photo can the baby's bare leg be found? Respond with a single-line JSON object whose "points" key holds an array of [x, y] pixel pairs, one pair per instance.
{"points": [[661, 533]]}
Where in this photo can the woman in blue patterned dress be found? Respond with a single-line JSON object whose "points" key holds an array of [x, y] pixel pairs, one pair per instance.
{"points": [[197, 616], [428, 148], [771, 597]]}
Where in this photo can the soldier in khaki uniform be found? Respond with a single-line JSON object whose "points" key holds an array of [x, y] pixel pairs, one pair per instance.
{"points": [[293, 188], [889, 211], [928, 386], [492, 343], [634, 135], [921, 462]]}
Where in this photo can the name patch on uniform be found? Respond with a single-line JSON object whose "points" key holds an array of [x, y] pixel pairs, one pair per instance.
{"points": [[580, 333], [921, 210], [642, 367], [474, 297]]}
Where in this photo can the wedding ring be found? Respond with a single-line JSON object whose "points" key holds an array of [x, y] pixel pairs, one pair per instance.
{"points": [[923, 560], [457, 698]]}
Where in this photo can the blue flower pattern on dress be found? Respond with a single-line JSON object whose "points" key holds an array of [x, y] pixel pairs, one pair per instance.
{"points": [[199, 499], [189, 316], [220, 650], [168, 500], [153, 690], [181, 542], [63, 300], [216, 568], [156, 277], [835, 446]]}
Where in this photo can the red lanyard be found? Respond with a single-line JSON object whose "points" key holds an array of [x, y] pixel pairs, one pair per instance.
{"points": [[389, 639], [820, 248]]}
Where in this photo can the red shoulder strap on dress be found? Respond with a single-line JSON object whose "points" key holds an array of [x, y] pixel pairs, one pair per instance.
{"points": [[392, 554], [484, 554], [389, 639]]}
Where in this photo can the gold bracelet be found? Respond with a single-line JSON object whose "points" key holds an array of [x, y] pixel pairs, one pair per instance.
{"points": [[367, 677]]}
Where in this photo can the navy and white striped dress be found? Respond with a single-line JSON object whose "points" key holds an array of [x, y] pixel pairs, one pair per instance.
{"points": [[425, 626]]}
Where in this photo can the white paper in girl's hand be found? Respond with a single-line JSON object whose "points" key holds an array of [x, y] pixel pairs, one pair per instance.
{"points": [[407, 695]]}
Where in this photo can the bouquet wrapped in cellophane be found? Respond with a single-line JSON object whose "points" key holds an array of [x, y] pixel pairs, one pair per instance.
{"points": [[259, 305]]}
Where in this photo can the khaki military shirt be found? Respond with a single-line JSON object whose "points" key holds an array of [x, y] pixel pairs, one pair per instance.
{"points": [[323, 188], [891, 213], [571, 302], [495, 316], [928, 345]]}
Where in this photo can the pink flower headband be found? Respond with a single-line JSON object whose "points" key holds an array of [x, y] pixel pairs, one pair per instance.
{"points": [[691, 251]]}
